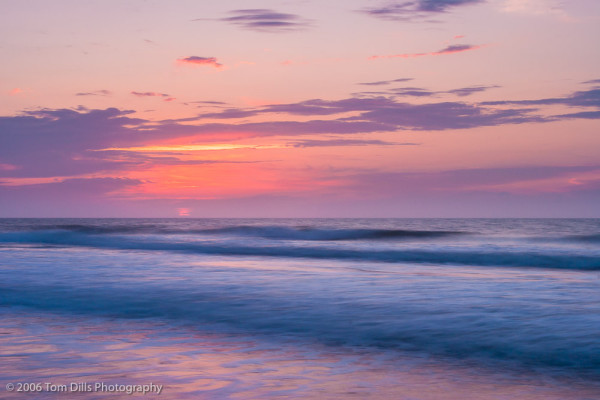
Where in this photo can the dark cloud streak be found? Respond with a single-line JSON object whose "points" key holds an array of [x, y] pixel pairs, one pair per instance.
{"points": [[586, 98], [452, 49], [149, 94], [381, 83], [416, 10], [467, 91], [197, 60], [264, 20], [102, 92]]}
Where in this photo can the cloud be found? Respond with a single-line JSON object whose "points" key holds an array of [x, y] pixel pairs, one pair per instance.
{"points": [[68, 197], [381, 83], [305, 108], [383, 113], [413, 91], [196, 60], [535, 7], [582, 114], [455, 48], [231, 113], [584, 98], [329, 107], [347, 142], [15, 91], [467, 91], [149, 94], [443, 116], [265, 20], [422, 92], [461, 180], [138, 158], [209, 103], [593, 81], [93, 185], [102, 92], [80, 187], [375, 114], [415, 10], [166, 97], [65, 142], [56, 142]]}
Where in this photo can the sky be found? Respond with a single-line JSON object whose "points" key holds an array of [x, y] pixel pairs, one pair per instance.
{"points": [[299, 108]]}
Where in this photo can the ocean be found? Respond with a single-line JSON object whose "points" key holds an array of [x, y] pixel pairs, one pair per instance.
{"points": [[301, 308]]}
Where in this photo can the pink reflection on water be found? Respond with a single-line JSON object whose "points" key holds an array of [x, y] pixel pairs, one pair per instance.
{"points": [[191, 365]]}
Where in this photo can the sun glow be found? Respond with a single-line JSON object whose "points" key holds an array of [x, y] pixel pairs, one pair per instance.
{"points": [[194, 147]]}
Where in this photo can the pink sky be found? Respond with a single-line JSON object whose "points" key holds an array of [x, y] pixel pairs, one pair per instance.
{"points": [[357, 108]]}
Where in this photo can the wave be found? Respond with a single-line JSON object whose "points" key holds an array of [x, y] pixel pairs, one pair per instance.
{"points": [[459, 257], [562, 339], [268, 232], [98, 229], [310, 233], [593, 238]]}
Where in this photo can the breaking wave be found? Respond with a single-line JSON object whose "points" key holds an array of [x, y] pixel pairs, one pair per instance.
{"points": [[459, 257]]}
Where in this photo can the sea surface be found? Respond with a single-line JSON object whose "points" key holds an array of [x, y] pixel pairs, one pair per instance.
{"points": [[302, 308]]}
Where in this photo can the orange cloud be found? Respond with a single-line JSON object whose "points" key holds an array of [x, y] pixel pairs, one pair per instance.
{"points": [[195, 60], [15, 91], [8, 167]]}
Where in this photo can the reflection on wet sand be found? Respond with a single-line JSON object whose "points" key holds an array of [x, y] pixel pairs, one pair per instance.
{"points": [[191, 365]]}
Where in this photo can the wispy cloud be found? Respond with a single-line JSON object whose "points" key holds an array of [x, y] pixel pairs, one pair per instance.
{"points": [[231, 113], [265, 20], [413, 91], [534, 7], [455, 48], [582, 114], [467, 91], [592, 82], [416, 10], [347, 142], [102, 92], [196, 60], [385, 113], [423, 92], [75, 193], [381, 83], [209, 103], [507, 179], [584, 98], [149, 94]]}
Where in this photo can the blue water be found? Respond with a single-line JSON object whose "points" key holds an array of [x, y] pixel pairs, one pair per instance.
{"points": [[499, 294]]}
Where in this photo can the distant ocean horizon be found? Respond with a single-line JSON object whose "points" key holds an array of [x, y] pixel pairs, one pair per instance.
{"points": [[424, 308]]}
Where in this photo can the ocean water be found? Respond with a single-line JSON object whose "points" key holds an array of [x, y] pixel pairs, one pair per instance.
{"points": [[302, 308]]}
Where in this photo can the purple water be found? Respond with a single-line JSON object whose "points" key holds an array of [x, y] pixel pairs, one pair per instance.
{"points": [[410, 309]]}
